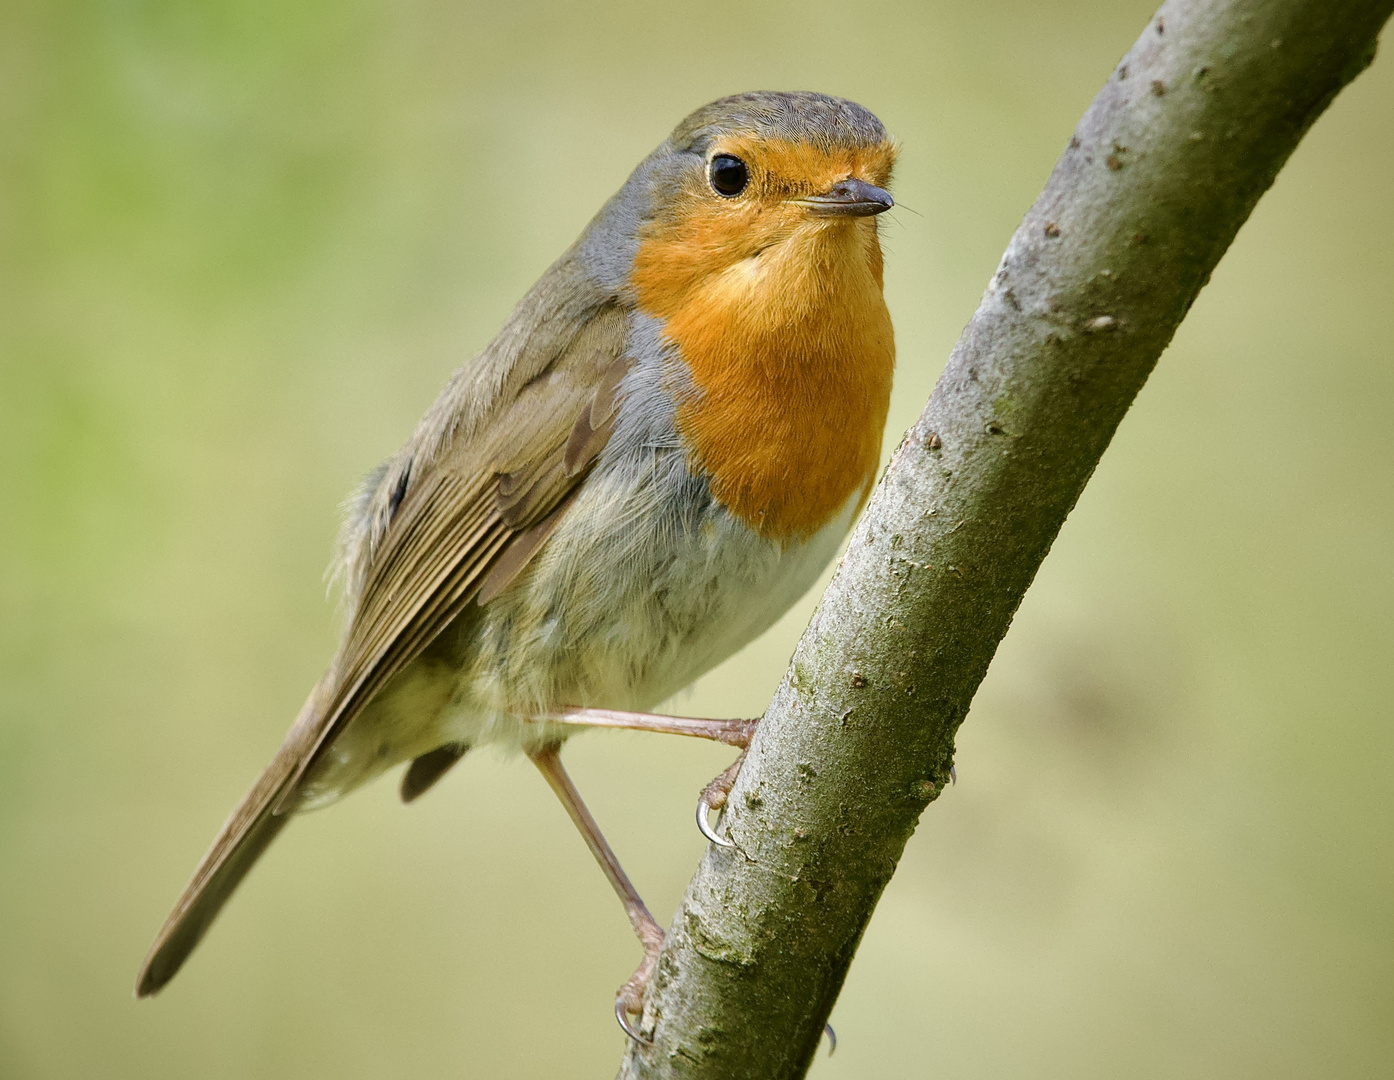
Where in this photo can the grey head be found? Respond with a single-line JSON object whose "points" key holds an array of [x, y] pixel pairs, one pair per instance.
{"points": [[789, 116]]}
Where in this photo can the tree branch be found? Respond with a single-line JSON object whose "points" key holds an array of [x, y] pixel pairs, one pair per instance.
{"points": [[1165, 166]]}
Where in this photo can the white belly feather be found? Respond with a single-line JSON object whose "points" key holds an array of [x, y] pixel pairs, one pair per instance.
{"points": [[627, 604], [646, 584]]}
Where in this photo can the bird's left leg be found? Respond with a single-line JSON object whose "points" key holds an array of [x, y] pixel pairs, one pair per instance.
{"points": [[731, 732], [630, 999]]}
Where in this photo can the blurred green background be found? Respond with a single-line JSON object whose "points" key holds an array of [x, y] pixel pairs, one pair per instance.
{"points": [[244, 243]]}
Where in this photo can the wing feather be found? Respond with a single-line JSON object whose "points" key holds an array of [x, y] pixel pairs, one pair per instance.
{"points": [[455, 521]]}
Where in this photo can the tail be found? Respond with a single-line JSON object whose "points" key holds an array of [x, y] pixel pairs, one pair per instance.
{"points": [[244, 836]]}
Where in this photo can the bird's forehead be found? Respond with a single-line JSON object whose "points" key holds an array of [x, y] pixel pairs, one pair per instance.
{"points": [[815, 120]]}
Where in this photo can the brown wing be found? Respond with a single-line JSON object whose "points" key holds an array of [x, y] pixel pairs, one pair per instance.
{"points": [[470, 518], [469, 511]]}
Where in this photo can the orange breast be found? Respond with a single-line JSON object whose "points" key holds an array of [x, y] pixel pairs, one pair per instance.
{"points": [[790, 352]]}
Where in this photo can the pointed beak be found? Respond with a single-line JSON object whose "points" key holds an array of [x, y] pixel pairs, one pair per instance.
{"points": [[849, 198]]}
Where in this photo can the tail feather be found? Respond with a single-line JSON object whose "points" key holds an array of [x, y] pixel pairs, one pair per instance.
{"points": [[243, 837]]}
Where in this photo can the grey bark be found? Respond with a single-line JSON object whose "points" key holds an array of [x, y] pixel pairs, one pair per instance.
{"points": [[1190, 129]]}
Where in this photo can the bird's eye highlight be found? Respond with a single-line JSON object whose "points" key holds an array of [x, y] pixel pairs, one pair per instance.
{"points": [[729, 175]]}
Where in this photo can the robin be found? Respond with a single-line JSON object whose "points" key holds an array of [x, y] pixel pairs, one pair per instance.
{"points": [[655, 457]]}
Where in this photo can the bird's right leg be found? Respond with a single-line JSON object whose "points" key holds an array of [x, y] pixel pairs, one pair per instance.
{"points": [[731, 732]]}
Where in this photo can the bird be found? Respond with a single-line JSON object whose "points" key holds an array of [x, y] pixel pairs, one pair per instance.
{"points": [[655, 457]]}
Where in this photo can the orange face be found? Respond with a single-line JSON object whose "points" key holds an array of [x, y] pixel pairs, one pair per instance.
{"points": [[777, 312]]}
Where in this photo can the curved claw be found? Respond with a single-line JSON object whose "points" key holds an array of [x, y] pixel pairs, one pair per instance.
{"points": [[832, 1039], [703, 809], [622, 1015]]}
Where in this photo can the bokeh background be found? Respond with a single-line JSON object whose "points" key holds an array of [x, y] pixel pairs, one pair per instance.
{"points": [[244, 243]]}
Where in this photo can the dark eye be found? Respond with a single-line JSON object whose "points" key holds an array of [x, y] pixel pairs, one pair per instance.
{"points": [[729, 175]]}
